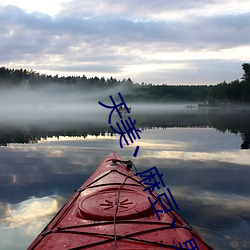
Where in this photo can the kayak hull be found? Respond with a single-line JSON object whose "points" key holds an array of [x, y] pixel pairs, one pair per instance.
{"points": [[111, 210]]}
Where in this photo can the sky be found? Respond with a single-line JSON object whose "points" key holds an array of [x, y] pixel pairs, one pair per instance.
{"points": [[153, 41]]}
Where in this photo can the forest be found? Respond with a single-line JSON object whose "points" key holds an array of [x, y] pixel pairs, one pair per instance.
{"points": [[224, 93]]}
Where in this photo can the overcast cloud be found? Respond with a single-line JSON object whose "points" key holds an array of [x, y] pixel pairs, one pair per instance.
{"points": [[171, 42]]}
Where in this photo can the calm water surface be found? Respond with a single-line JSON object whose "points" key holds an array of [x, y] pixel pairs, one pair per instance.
{"points": [[198, 152]]}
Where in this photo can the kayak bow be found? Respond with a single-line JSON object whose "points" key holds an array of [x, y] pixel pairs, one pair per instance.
{"points": [[111, 211]]}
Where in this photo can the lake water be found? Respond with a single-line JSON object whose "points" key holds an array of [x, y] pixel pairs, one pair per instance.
{"points": [[199, 152]]}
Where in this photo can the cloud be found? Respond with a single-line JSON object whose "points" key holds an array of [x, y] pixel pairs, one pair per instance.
{"points": [[148, 10], [125, 40], [116, 30]]}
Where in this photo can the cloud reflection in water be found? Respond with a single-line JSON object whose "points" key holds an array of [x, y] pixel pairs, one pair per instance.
{"points": [[25, 220], [207, 175]]}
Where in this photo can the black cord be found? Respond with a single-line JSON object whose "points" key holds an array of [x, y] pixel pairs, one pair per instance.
{"points": [[129, 164]]}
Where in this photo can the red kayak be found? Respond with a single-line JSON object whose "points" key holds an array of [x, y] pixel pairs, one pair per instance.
{"points": [[112, 210]]}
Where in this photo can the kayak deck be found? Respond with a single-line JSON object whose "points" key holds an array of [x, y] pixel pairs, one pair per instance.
{"points": [[111, 211]]}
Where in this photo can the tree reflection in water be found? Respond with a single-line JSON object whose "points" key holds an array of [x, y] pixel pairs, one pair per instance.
{"points": [[233, 121]]}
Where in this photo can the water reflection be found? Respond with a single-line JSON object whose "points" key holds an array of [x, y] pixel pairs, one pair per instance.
{"points": [[233, 121], [29, 210], [20, 222], [204, 168]]}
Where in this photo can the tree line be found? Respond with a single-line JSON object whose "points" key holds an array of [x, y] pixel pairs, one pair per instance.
{"points": [[236, 91]]}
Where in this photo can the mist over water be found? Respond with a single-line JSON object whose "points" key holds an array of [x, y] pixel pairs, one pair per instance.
{"points": [[60, 102], [59, 107], [55, 102]]}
